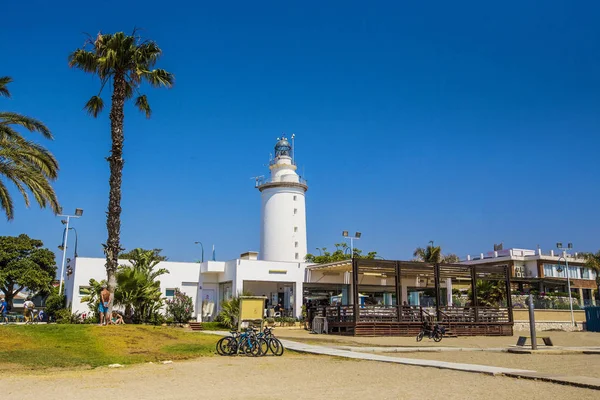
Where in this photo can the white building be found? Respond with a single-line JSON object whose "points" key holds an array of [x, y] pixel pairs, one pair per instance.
{"points": [[277, 272]]}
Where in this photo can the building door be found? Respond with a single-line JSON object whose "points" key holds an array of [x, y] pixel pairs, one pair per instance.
{"points": [[208, 304]]}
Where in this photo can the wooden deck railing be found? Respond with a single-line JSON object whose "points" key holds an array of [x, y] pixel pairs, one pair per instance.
{"points": [[475, 314]]}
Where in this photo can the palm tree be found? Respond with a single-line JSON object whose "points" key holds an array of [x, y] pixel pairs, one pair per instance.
{"points": [[26, 164], [430, 254], [126, 61], [592, 261], [433, 255]]}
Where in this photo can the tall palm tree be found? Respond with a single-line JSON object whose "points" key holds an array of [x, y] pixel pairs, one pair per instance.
{"points": [[126, 61], [26, 164]]}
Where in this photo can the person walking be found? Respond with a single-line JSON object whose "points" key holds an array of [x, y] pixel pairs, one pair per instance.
{"points": [[28, 307], [103, 308]]}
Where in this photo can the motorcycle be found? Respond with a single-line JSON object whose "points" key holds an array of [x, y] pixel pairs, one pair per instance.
{"points": [[436, 333]]}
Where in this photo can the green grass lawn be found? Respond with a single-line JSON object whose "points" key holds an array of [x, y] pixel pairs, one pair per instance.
{"points": [[69, 346]]}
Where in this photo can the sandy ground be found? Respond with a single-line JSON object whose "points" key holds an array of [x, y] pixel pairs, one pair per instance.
{"points": [[571, 364], [291, 376], [568, 339]]}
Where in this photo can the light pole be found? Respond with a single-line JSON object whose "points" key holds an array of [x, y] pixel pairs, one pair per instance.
{"points": [[564, 257], [78, 213], [356, 236], [61, 247], [201, 245]]}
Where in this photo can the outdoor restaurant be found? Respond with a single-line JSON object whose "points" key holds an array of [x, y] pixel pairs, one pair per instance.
{"points": [[395, 298]]}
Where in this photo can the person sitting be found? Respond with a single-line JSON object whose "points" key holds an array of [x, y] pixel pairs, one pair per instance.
{"points": [[117, 319]]}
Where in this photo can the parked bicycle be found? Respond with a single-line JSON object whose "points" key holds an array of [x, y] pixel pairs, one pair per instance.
{"points": [[436, 333], [245, 342], [273, 344]]}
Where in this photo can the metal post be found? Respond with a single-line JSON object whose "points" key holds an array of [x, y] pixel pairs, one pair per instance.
{"points": [[62, 268], [532, 323]]}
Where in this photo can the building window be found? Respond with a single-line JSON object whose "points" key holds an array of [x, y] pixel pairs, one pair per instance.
{"points": [[573, 272], [548, 270], [170, 292], [295, 197], [18, 302], [84, 290], [295, 244], [297, 256], [585, 273], [295, 211], [295, 229]]}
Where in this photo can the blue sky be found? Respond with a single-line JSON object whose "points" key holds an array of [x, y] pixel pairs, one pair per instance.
{"points": [[466, 123]]}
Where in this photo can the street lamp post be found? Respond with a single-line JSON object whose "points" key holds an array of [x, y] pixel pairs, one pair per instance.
{"points": [[202, 246], [356, 236], [61, 246], [78, 213], [564, 257]]}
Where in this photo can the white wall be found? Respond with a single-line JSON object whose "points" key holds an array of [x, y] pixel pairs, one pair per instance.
{"points": [[181, 275]]}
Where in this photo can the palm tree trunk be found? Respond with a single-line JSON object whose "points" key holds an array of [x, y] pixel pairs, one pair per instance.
{"points": [[115, 161]]}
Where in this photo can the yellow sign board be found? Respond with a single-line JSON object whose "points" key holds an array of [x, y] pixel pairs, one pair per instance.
{"points": [[251, 308]]}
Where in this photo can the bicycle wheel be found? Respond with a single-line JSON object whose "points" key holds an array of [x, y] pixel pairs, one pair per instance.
{"points": [[226, 346], [420, 336], [252, 348], [263, 346], [276, 347], [437, 336]]}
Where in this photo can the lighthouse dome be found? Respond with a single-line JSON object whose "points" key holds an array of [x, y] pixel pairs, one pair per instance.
{"points": [[283, 147]]}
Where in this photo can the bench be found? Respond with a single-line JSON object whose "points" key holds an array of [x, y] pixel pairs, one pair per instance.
{"points": [[546, 339]]}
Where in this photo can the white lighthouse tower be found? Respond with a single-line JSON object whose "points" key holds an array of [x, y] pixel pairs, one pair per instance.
{"points": [[283, 210]]}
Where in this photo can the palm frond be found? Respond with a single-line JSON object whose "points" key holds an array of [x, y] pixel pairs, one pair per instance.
{"points": [[4, 80], [84, 60], [31, 124], [159, 77], [142, 104], [94, 106], [6, 202]]}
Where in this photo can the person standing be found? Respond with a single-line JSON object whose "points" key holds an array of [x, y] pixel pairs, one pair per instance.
{"points": [[103, 308], [3, 309]]}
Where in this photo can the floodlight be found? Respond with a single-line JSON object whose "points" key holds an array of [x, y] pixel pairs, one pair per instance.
{"points": [[357, 235], [558, 245], [345, 233], [78, 212]]}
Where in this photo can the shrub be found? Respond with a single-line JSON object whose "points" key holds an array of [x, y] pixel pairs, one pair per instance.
{"points": [[55, 303], [180, 308]]}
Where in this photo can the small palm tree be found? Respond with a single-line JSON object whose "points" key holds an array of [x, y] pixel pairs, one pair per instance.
{"points": [[430, 254], [433, 255], [126, 61], [29, 166]]}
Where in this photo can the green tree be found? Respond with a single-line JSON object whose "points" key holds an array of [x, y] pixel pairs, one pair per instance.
{"points": [[138, 289], [24, 263], [29, 166], [342, 252], [433, 255], [126, 61], [489, 293], [592, 261]]}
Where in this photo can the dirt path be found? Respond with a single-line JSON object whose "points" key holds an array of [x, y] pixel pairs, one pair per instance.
{"points": [[294, 376]]}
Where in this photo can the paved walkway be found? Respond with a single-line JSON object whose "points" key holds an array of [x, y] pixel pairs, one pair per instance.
{"points": [[579, 381]]}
